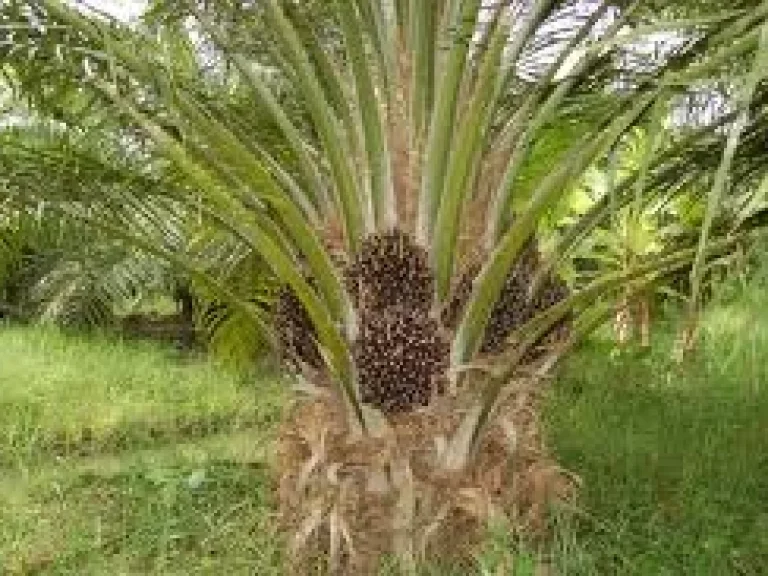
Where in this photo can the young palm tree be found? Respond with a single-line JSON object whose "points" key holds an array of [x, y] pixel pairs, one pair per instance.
{"points": [[419, 313]]}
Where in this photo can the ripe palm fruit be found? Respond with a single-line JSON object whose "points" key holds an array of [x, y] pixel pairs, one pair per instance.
{"points": [[514, 307], [296, 335], [511, 309], [390, 270], [401, 356], [553, 292]]}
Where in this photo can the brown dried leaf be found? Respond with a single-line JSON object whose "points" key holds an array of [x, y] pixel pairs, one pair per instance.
{"points": [[308, 527]]}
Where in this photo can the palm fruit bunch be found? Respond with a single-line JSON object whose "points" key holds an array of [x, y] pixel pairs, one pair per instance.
{"points": [[297, 338], [553, 292], [390, 270], [512, 299], [401, 351], [515, 306], [401, 355]]}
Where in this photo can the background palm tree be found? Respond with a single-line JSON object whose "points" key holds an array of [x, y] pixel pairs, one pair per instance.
{"points": [[384, 160]]}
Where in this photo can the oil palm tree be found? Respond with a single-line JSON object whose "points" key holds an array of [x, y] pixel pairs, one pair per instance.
{"points": [[418, 313], [55, 269]]}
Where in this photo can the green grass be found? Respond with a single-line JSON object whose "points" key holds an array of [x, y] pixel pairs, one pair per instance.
{"points": [[674, 459], [128, 458], [166, 514], [65, 395]]}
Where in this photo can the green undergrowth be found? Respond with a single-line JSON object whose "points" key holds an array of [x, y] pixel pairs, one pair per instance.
{"points": [[166, 514], [129, 458], [673, 457], [72, 395]]}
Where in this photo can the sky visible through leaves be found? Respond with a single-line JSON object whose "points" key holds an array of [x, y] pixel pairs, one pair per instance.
{"points": [[644, 50], [125, 10]]}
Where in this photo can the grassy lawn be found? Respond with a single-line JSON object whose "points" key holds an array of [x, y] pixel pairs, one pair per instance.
{"points": [[126, 458], [674, 460], [65, 396]]}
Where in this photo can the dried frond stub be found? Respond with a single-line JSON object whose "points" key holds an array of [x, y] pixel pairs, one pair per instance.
{"points": [[460, 294]]}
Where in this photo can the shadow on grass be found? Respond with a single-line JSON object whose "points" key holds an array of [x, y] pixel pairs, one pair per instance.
{"points": [[46, 445]]}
